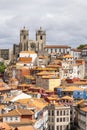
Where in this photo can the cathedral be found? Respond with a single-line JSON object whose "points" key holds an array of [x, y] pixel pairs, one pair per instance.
{"points": [[38, 45], [30, 45]]}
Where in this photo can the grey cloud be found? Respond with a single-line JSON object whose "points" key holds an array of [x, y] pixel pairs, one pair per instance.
{"points": [[65, 21]]}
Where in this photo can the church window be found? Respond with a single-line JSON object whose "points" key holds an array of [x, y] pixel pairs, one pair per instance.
{"points": [[41, 37]]}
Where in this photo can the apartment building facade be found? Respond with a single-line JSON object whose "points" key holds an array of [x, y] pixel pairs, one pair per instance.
{"points": [[58, 117]]}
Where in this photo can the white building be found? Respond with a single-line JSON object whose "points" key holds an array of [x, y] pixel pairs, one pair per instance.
{"points": [[76, 53], [58, 117]]}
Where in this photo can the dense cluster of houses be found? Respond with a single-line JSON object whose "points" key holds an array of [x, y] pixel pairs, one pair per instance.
{"points": [[45, 90]]}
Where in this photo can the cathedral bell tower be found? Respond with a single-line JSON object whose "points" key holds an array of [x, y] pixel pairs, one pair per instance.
{"points": [[24, 36], [41, 39]]}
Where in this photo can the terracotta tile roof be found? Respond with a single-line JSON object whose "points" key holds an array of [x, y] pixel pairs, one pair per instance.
{"points": [[54, 66], [5, 126], [67, 97], [67, 56], [81, 82], [46, 69], [25, 59], [79, 102], [44, 73], [2, 106], [57, 46], [34, 102], [4, 88], [50, 77], [72, 88], [84, 109], [18, 112], [26, 128]]}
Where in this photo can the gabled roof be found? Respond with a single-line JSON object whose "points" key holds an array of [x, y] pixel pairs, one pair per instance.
{"points": [[18, 112]]}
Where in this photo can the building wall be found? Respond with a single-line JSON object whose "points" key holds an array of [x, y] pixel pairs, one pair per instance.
{"points": [[27, 54], [82, 121], [4, 53], [47, 83], [11, 119], [54, 83]]}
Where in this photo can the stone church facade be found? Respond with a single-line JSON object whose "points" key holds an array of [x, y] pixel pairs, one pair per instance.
{"points": [[30, 45], [38, 45]]}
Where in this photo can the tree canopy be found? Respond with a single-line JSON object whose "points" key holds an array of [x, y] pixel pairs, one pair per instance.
{"points": [[81, 46], [2, 67]]}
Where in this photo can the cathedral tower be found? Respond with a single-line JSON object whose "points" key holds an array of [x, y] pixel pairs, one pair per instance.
{"points": [[41, 39], [41, 35], [24, 36]]}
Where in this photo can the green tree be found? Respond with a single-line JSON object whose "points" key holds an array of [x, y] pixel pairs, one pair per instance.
{"points": [[2, 67], [81, 46]]}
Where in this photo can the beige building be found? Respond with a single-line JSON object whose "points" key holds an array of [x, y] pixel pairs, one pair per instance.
{"points": [[47, 80], [58, 117]]}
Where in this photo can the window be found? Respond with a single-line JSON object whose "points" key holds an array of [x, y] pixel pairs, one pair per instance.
{"points": [[49, 113], [10, 118], [64, 112], [48, 127], [60, 119], [52, 127], [67, 112], [16, 118], [57, 113], [57, 127], [52, 113], [57, 119], [61, 127], [60, 113], [41, 37]]}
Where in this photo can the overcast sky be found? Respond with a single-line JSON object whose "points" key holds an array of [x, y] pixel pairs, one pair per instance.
{"points": [[65, 21]]}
